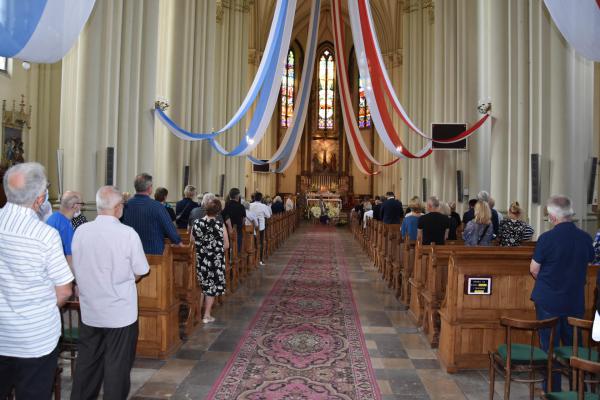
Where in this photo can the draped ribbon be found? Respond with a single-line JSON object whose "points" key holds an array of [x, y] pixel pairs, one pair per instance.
{"points": [[41, 31], [360, 153], [289, 146], [372, 66], [579, 23], [275, 46], [379, 114]]}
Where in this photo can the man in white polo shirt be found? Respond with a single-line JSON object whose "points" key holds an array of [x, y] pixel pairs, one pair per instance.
{"points": [[34, 279], [262, 212], [108, 258]]}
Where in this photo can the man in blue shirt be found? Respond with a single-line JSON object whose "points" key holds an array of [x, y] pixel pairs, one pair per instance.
{"points": [[60, 220], [149, 218], [559, 266]]}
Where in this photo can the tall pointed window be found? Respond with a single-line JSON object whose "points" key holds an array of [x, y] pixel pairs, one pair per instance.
{"points": [[288, 81], [364, 113], [326, 91], [3, 64]]}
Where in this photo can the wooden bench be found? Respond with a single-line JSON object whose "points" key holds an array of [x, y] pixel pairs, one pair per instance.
{"points": [[158, 309], [435, 281], [187, 289], [470, 324]]}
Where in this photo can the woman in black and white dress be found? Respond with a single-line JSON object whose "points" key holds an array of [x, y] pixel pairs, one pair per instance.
{"points": [[513, 230], [211, 245]]}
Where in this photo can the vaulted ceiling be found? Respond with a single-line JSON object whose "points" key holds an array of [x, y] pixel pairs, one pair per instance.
{"points": [[386, 14]]}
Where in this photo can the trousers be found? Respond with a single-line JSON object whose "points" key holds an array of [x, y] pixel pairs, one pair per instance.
{"points": [[32, 378], [105, 355], [562, 333]]}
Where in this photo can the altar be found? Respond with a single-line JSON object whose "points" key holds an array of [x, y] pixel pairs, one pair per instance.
{"points": [[332, 202]]}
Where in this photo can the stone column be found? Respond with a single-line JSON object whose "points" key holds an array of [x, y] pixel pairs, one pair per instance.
{"points": [[186, 80], [108, 90], [231, 65]]}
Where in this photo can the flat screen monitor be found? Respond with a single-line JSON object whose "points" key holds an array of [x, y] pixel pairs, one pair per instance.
{"points": [[260, 168], [447, 131]]}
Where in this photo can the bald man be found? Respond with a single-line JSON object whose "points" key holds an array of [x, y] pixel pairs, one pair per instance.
{"points": [[108, 257], [60, 220]]}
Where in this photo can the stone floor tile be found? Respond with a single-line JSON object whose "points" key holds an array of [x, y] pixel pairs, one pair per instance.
{"points": [[371, 344], [384, 387], [440, 386], [421, 354], [378, 329], [174, 371]]}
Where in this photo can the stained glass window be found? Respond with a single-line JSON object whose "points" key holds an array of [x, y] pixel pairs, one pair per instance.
{"points": [[3, 64], [287, 90], [326, 90], [364, 113]]}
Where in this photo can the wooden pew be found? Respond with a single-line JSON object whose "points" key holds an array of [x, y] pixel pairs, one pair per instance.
{"points": [[435, 280], [158, 309], [417, 282], [187, 289], [470, 323], [250, 249], [391, 249], [406, 265]]}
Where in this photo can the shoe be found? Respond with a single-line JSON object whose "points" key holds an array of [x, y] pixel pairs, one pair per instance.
{"points": [[208, 320]]}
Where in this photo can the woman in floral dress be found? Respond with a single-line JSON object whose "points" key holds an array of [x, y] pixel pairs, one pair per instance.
{"points": [[513, 230], [211, 244]]}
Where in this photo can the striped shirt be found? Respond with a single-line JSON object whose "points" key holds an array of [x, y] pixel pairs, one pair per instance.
{"points": [[31, 265]]}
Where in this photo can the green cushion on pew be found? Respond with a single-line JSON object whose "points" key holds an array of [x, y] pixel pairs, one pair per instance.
{"points": [[521, 353], [71, 334], [566, 352], [570, 396]]}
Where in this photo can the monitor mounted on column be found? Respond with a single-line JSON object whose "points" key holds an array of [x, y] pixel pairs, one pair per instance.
{"points": [[448, 131]]}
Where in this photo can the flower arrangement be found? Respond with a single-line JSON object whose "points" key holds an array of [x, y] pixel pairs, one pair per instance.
{"points": [[315, 211], [484, 108], [333, 212]]}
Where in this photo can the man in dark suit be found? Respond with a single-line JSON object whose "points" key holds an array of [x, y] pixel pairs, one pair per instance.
{"points": [[377, 209], [391, 210]]}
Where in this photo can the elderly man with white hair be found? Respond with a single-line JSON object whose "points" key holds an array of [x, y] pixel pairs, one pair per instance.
{"points": [[108, 258], [35, 279], [559, 266]]}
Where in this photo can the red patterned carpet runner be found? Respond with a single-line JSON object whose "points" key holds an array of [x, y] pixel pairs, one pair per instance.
{"points": [[305, 342]]}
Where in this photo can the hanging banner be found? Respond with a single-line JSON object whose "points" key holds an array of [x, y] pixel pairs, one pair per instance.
{"points": [[379, 113], [360, 153], [289, 146], [41, 31], [373, 69], [267, 98], [273, 48], [579, 23]]}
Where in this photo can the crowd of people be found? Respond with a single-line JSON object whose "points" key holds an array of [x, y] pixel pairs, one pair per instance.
{"points": [[558, 265], [43, 253], [47, 257], [437, 221]]}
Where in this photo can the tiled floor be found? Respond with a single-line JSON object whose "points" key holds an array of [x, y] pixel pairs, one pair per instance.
{"points": [[405, 366]]}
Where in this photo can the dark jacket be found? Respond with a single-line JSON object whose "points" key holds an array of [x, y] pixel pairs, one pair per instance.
{"points": [[277, 207], [377, 212], [152, 223], [183, 208], [391, 211]]}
